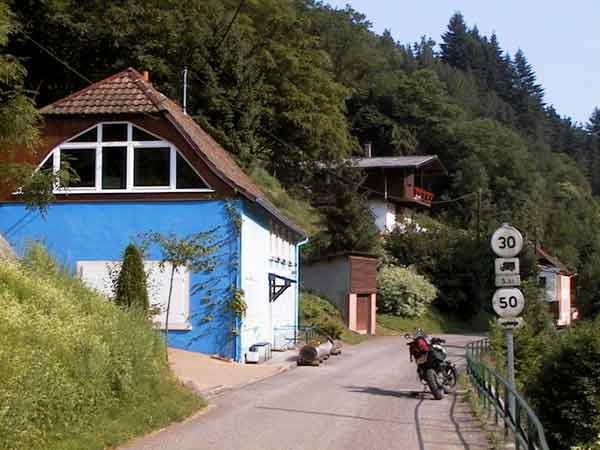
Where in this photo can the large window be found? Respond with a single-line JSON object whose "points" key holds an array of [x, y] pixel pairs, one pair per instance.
{"points": [[121, 157]]}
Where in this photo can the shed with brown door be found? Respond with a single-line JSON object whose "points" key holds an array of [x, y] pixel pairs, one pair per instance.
{"points": [[349, 281]]}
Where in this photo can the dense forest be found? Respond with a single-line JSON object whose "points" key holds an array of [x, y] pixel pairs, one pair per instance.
{"points": [[291, 87]]}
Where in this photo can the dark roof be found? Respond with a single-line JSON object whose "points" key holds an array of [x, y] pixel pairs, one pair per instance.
{"points": [[547, 259], [127, 92], [394, 162]]}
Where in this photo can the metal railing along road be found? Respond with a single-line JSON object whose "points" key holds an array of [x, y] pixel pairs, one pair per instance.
{"points": [[286, 337], [497, 395]]}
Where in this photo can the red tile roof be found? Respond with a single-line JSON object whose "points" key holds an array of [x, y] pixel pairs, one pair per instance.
{"points": [[127, 92], [118, 94]]}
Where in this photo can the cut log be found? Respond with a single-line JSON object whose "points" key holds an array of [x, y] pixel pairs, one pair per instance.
{"points": [[311, 354]]}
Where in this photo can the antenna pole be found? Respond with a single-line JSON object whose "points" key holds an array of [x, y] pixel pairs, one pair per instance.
{"points": [[185, 71]]}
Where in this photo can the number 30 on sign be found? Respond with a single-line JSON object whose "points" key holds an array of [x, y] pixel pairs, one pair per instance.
{"points": [[508, 302], [507, 241]]}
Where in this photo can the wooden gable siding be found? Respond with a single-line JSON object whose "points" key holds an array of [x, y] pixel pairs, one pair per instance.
{"points": [[363, 274], [57, 130]]}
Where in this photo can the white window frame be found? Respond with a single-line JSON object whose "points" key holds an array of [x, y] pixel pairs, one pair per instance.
{"points": [[130, 145]]}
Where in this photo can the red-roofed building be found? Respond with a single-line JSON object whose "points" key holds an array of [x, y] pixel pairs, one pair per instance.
{"points": [[144, 165]]}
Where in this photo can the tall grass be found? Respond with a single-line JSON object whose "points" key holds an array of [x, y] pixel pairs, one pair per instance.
{"points": [[76, 371]]}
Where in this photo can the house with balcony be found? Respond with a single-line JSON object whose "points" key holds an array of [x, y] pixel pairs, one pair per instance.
{"points": [[399, 185]]}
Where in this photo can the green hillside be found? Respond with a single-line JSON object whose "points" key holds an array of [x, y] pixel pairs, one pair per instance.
{"points": [[77, 372]]}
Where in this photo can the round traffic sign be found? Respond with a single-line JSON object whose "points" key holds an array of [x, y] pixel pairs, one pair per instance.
{"points": [[507, 241], [508, 302]]}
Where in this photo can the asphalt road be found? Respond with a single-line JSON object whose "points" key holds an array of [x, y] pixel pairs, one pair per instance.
{"points": [[367, 398]]}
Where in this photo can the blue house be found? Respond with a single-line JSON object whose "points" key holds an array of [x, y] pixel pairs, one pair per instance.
{"points": [[145, 166]]}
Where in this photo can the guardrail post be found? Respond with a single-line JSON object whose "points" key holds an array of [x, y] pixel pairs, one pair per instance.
{"points": [[497, 397], [517, 410], [531, 440], [506, 412]]}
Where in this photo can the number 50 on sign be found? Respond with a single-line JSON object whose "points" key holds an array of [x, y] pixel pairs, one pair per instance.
{"points": [[508, 302]]}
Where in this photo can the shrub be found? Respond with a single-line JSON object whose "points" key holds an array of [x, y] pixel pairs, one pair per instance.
{"points": [[565, 393], [321, 314], [131, 290], [458, 264], [403, 292]]}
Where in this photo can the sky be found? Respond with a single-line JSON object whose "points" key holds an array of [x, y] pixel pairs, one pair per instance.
{"points": [[561, 39]]}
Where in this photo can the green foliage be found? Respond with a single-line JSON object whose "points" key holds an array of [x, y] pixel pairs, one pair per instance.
{"points": [[293, 206], [403, 292], [565, 392], [76, 370], [433, 321], [349, 221], [197, 252], [445, 255], [237, 303], [131, 290], [325, 317]]}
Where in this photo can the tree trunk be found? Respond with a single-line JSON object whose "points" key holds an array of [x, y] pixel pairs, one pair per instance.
{"points": [[167, 313]]}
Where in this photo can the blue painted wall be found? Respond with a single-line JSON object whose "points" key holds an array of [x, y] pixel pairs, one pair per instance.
{"points": [[101, 231]]}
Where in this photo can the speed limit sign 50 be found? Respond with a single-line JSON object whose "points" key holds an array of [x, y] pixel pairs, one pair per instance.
{"points": [[508, 302], [507, 241]]}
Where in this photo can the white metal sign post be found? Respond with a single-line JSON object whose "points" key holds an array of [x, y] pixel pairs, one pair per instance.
{"points": [[508, 301]]}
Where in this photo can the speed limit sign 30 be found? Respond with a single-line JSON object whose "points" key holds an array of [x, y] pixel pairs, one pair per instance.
{"points": [[508, 302], [507, 241]]}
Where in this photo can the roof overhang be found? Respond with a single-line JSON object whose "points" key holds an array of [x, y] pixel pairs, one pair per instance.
{"points": [[427, 163]]}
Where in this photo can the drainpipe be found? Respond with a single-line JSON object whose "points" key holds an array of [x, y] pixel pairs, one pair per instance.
{"points": [[298, 245]]}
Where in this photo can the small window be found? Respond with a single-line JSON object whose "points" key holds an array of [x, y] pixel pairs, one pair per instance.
{"points": [[114, 132], [152, 166], [114, 167], [83, 162], [542, 282], [141, 135], [187, 178], [88, 136]]}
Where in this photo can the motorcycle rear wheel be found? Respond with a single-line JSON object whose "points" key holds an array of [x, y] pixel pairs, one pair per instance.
{"points": [[434, 387]]}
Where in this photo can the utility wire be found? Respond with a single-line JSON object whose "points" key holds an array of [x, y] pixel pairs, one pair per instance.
{"points": [[237, 11], [55, 57]]}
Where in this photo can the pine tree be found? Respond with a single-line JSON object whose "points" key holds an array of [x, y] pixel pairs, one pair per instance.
{"points": [[529, 92], [593, 125], [131, 288], [349, 222], [455, 48]]}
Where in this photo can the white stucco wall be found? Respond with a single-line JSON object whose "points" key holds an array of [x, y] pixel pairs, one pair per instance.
{"points": [[384, 213], [262, 317], [564, 292]]}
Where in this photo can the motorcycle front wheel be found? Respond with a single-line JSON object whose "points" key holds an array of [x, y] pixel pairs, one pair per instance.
{"points": [[432, 382]]}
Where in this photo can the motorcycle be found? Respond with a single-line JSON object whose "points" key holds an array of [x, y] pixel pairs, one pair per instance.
{"points": [[433, 368]]}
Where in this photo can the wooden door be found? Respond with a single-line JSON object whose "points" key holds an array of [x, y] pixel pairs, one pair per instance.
{"points": [[363, 307]]}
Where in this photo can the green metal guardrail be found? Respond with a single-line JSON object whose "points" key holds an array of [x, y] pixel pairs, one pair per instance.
{"points": [[495, 394]]}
